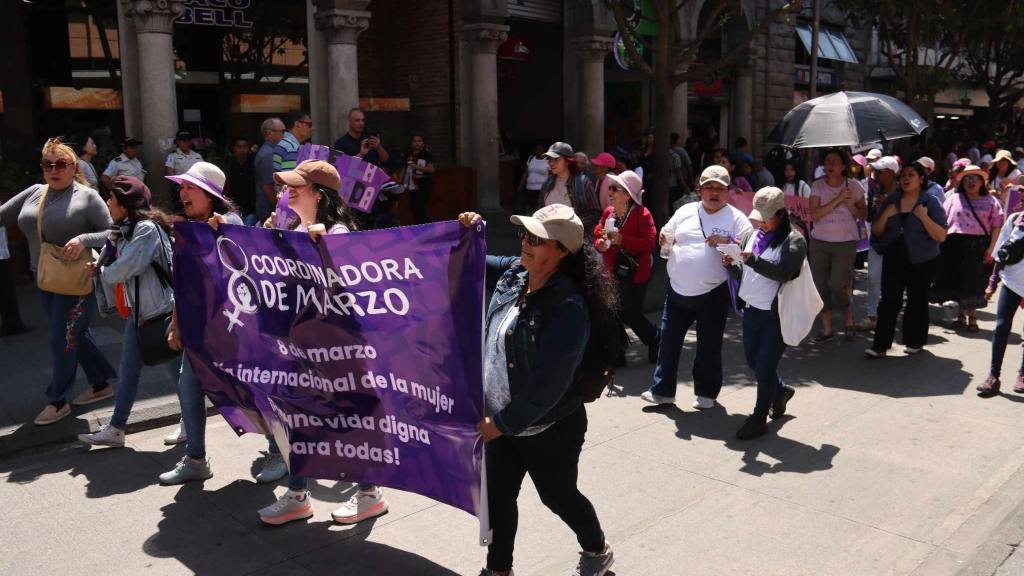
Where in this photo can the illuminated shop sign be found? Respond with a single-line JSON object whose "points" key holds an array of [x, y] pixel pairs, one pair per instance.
{"points": [[221, 13]]}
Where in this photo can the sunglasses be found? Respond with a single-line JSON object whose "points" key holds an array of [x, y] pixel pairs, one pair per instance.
{"points": [[616, 188], [58, 166], [531, 238]]}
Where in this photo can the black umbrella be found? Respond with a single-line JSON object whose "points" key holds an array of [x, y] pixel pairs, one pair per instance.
{"points": [[853, 119]]}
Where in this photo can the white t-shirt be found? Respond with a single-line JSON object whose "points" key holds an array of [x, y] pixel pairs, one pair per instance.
{"points": [[558, 194], [757, 290], [536, 172], [696, 268]]}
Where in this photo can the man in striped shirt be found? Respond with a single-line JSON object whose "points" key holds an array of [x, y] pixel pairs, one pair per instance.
{"points": [[286, 152]]}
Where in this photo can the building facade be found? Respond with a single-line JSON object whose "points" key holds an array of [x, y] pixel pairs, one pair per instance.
{"points": [[483, 80]]}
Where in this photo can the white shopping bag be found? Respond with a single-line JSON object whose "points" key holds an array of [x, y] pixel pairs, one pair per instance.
{"points": [[799, 305]]}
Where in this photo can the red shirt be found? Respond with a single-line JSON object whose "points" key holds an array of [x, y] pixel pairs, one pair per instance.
{"points": [[639, 236]]}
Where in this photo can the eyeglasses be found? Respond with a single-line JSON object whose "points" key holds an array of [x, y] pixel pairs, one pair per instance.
{"points": [[531, 238], [58, 166], [306, 122]]}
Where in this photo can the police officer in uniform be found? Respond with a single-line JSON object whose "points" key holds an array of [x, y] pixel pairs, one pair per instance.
{"points": [[183, 157], [127, 164]]}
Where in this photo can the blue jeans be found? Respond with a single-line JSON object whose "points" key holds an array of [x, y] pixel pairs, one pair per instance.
{"points": [[763, 346], [131, 368], [71, 344], [193, 411], [709, 311], [1009, 301]]}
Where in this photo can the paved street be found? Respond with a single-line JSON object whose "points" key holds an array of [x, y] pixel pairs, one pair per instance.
{"points": [[886, 467]]}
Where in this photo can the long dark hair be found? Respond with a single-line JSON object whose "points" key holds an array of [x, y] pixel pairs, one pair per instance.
{"points": [[330, 210], [783, 230], [586, 267], [797, 180], [916, 167], [138, 210], [221, 205]]}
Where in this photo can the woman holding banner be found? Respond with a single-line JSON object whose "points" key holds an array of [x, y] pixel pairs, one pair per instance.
{"points": [[202, 197], [537, 328], [837, 203], [312, 193]]}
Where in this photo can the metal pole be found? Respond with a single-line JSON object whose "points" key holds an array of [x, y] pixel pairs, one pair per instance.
{"points": [[813, 81], [814, 48]]}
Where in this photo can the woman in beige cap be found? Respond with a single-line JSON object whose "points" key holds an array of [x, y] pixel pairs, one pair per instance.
{"points": [[537, 328], [312, 192]]}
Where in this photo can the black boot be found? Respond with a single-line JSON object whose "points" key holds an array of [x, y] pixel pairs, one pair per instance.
{"points": [[754, 426]]}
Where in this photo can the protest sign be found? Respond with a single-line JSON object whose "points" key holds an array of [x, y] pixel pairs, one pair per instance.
{"points": [[360, 353], [799, 209], [360, 181]]}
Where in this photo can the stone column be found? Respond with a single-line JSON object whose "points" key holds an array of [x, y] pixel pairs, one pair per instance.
{"points": [[342, 26], [316, 56], [681, 110], [483, 40], [154, 24], [128, 48], [592, 51], [743, 105]]}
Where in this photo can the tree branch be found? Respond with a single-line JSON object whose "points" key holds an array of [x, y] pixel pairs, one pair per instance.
{"points": [[627, 38]]}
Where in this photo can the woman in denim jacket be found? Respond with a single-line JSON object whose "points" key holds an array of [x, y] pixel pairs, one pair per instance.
{"points": [[135, 261], [537, 327]]}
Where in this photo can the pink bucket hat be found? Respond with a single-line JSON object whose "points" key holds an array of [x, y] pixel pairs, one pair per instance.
{"points": [[632, 182]]}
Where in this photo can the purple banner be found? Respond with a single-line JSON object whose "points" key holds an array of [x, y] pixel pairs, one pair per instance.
{"points": [[360, 181], [360, 353]]}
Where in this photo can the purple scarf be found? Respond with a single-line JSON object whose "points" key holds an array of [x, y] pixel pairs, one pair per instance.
{"points": [[762, 241]]}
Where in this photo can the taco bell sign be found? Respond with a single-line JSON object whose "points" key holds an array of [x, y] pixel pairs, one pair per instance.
{"points": [[220, 13]]}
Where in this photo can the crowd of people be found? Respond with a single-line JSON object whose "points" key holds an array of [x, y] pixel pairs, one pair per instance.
{"points": [[587, 253]]}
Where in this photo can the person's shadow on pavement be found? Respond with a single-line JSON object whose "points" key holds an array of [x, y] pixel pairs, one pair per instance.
{"points": [[716, 424], [219, 532]]}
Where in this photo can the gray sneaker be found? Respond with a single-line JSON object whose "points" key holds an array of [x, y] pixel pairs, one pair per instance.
{"points": [[187, 470], [595, 564], [273, 469]]}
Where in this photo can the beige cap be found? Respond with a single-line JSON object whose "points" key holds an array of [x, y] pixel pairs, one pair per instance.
{"points": [[311, 172], [554, 222], [715, 173], [767, 202], [873, 154]]}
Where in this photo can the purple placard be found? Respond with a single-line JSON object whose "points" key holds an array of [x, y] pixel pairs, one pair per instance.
{"points": [[360, 353], [360, 181]]}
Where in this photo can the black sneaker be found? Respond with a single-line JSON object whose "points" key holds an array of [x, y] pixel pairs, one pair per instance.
{"points": [[754, 426], [821, 338], [778, 409]]}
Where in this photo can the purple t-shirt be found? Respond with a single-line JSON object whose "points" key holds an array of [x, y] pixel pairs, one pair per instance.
{"points": [[962, 221], [838, 225]]}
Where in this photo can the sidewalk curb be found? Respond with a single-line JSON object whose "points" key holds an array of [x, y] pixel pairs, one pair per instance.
{"points": [[154, 413]]}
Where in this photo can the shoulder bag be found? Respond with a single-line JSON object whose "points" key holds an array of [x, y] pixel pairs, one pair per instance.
{"points": [[54, 273], [799, 304], [152, 334], [625, 265]]}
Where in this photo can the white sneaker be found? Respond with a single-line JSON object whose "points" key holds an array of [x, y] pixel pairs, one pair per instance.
{"points": [[703, 403], [273, 469], [106, 436], [362, 506], [176, 437], [910, 350], [289, 507], [653, 398], [187, 470]]}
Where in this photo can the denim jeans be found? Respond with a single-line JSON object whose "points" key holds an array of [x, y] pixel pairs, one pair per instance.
{"points": [[71, 343], [1009, 301], [552, 459], [131, 368], [874, 281], [709, 311], [193, 411], [763, 347]]}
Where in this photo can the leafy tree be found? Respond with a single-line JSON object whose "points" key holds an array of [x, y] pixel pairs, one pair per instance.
{"points": [[994, 58], [674, 61]]}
